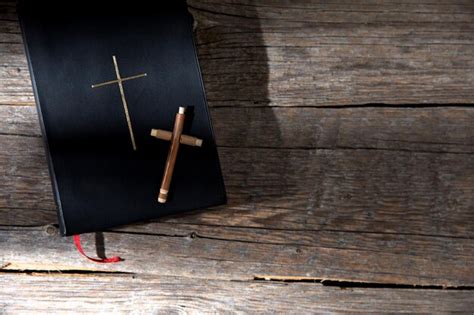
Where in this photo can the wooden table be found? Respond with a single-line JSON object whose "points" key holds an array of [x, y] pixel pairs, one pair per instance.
{"points": [[346, 136]]}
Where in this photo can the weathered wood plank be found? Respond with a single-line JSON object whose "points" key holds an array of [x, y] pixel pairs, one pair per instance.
{"points": [[24, 182], [19, 120], [427, 129], [317, 193], [333, 256], [8, 11], [342, 12], [283, 53], [129, 294], [257, 213], [320, 219], [443, 129], [365, 190]]}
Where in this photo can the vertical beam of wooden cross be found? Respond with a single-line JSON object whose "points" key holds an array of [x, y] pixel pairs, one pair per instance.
{"points": [[176, 137], [119, 81]]}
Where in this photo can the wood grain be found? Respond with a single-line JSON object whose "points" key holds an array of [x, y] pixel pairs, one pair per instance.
{"points": [[335, 53], [283, 53], [129, 294], [232, 253], [368, 185], [345, 132], [412, 232], [435, 130]]}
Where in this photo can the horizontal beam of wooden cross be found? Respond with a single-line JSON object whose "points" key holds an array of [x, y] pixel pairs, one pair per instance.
{"points": [[168, 135]]}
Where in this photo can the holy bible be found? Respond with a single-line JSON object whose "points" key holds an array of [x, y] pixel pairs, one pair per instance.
{"points": [[105, 79]]}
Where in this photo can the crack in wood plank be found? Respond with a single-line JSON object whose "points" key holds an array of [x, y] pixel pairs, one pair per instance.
{"points": [[341, 283], [318, 107]]}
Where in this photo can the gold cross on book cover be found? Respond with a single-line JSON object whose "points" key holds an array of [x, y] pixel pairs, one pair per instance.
{"points": [[119, 80]]}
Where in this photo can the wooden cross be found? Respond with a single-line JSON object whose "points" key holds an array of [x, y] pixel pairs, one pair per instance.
{"points": [[119, 81], [176, 137]]}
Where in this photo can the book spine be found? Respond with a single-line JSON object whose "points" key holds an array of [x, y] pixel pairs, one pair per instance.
{"points": [[57, 197]]}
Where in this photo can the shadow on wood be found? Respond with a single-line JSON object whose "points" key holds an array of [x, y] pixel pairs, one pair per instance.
{"points": [[100, 245], [234, 63]]}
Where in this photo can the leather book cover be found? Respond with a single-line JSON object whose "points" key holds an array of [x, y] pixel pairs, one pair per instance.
{"points": [[106, 168]]}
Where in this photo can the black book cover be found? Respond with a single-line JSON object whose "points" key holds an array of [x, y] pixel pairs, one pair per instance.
{"points": [[99, 180]]}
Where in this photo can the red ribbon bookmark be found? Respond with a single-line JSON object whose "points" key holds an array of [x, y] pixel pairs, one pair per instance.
{"points": [[77, 242]]}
